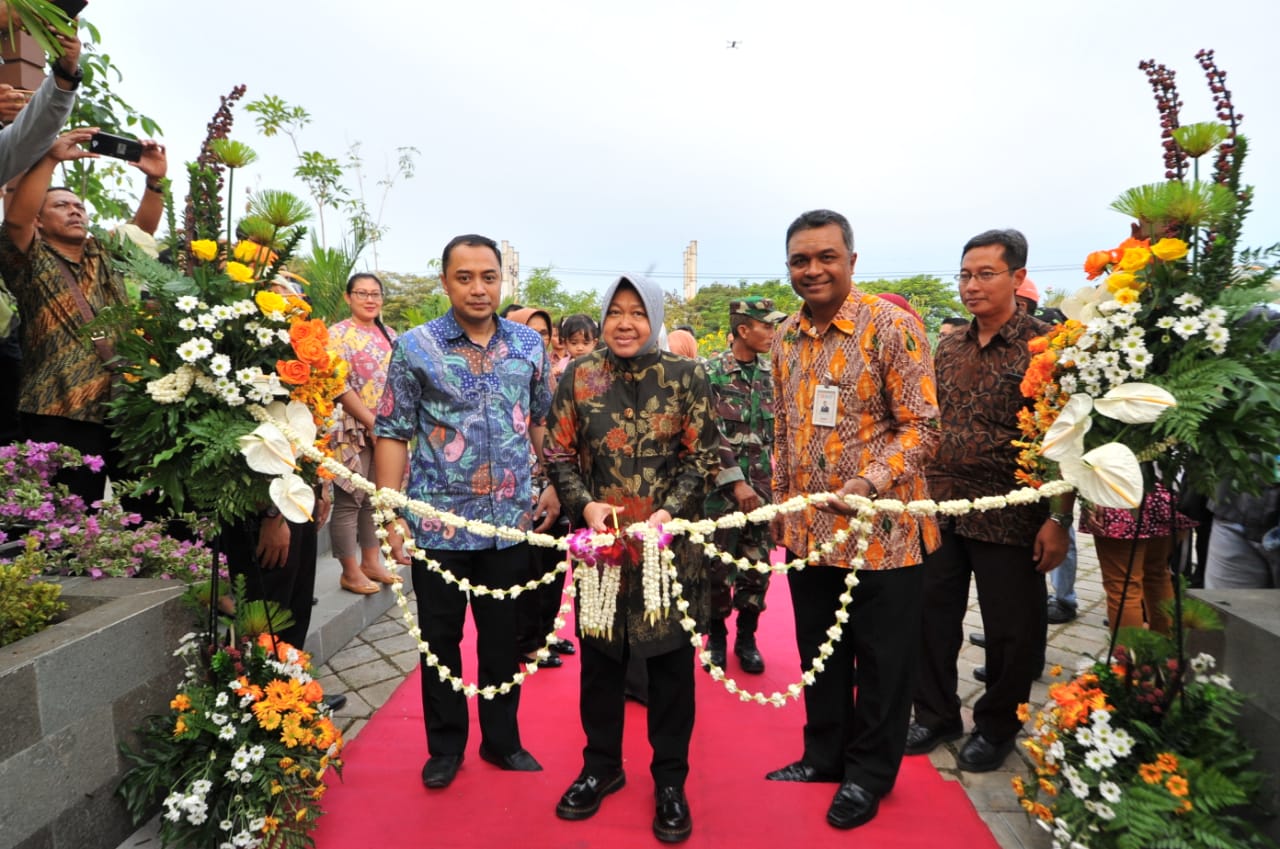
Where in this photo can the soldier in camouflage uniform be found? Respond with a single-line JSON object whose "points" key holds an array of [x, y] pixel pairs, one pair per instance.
{"points": [[742, 389]]}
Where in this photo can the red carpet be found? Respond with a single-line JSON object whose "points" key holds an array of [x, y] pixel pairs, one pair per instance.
{"points": [[381, 802]]}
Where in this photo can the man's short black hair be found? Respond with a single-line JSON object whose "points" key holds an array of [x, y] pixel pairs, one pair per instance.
{"points": [[471, 240], [815, 218], [955, 321], [1013, 242], [509, 308]]}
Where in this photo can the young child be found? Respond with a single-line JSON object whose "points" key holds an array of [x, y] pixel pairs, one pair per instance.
{"points": [[579, 334]]}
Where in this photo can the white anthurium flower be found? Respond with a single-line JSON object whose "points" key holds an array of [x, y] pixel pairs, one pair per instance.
{"points": [[1080, 303], [1065, 437], [1109, 476], [297, 416], [1135, 403], [267, 450], [295, 498]]}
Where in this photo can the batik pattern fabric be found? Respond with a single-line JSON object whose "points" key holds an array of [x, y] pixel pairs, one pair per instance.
{"points": [[980, 395], [876, 358], [367, 352], [467, 411], [62, 372], [636, 433]]}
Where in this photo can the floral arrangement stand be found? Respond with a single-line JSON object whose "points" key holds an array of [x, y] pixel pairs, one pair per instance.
{"points": [[1246, 649], [70, 695]]}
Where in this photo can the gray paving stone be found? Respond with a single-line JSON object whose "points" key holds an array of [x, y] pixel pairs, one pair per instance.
{"points": [[396, 644], [382, 629], [407, 661], [359, 677], [353, 655], [353, 730], [992, 791], [377, 695]]}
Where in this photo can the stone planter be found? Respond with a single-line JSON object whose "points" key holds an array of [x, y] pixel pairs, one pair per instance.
{"points": [[69, 696]]}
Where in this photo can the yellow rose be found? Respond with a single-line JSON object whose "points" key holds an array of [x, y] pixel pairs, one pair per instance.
{"points": [[1126, 296], [1169, 249], [1120, 280], [1135, 258], [204, 249], [239, 272], [270, 302]]}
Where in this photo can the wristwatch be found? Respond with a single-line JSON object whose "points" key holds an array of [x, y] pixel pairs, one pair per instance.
{"points": [[272, 512], [1066, 520], [61, 73]]}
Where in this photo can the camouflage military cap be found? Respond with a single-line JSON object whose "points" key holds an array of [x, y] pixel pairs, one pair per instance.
{"points": [[760, 309]]}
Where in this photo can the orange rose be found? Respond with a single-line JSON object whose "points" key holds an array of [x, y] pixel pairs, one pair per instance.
{"points": [[313, 329], [1096, 263], [312, 352], [293, 371], [1038, 345]]}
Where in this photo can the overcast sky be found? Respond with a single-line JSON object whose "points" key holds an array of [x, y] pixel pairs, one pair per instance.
{"points": [[599, 137]]}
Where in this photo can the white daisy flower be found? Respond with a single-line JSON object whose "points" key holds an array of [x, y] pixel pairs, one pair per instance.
{"points": [[219, 365], [1067, 383], [226, 732], [1165, 322], [1099, 759], [206, 321], [1187, 326], [192, 350], [1217, 334], [266, 336], [240, 759], [1110, 791], [223, 312], [187, 303], [1188, 301], [1202, 663], [187, 323]]}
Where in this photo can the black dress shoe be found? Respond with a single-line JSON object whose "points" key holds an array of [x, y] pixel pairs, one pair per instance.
{"points": [[749, 657], [716, 648], [852, 806], [979, 639], [552, 660], [335, 701], [982, 755], [518, 761], [440, 771], [921, 740], [801, 771], [584, 795], [1059, 612], [671, 820], [980, 674], [563, 647]]}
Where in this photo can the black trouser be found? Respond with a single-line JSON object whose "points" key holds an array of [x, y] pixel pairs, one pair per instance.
{"points": [[537, 610], [291, 586], [858, 734], [442, 608], [601, 705], [1012, 598]]}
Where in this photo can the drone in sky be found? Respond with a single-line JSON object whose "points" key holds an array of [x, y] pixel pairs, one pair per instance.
{"points": [[732, 45]]}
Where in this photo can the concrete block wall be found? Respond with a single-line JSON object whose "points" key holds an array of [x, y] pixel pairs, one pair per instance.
{"points": [[69, 696]]}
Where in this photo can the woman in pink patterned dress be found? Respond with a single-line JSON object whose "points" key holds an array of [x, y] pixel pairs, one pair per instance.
{"points": [[365, 343]]}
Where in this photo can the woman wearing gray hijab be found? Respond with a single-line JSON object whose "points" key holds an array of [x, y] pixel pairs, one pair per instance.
{"points": [[631, 434]]}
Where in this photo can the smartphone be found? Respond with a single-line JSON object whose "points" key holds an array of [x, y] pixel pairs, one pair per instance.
{"points": [[117, 146], [71, 8]]}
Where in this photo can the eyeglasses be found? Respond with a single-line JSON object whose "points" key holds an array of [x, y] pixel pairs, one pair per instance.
{"points": [[983, 276], [367, 296]]}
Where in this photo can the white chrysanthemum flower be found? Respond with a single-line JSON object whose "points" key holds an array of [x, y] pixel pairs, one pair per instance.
{"points": [[1217, 334], [187, 303], [1105, 811], [206, 321], [1223, 681], [1139, 359], [1108, 359], [240, 759], [226, 732], [1122, 320], [187, 323], [231, 775], [266, 336], [1187, 326], [1116, 375], [194, 349], [1122, 744], [245, 307], [1202, 663], [1084, 735], [1099, 759], [256, 754], [219, 365], [1110, 791], [1067, 383], [223, 312], [1129, 344], [1188, 301], [1079, 789], [1165, 322]]}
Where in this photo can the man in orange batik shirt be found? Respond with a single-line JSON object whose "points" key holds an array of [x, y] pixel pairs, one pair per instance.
{"points": [[856, 414]]}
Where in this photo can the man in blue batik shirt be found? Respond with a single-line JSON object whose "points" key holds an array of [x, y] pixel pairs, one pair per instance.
{"points": [[472, 391]]}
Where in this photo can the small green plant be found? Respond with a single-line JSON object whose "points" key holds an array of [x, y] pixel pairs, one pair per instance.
{"points": [[27, 605]]}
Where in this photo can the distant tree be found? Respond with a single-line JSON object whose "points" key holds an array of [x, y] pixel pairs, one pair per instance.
{"points": [[412, 299], [545, 291], [930, 296], [708, 311]]}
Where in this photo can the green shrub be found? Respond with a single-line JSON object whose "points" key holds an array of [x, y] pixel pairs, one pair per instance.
{"points": [[27, 606]]}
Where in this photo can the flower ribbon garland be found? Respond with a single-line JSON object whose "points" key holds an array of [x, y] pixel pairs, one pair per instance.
{"points": [[661, 585]]}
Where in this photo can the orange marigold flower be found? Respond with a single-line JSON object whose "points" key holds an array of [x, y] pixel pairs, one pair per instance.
{"points": [[180, 727], [1186, 807], [1019, 786], [1042, 812], [1048, 787], [180, 702], [1150, 773], [1038, 345], [1026, 804], [1055, 670], [1167, 761], [1024, 712], [1177, 785], [270, 824]]}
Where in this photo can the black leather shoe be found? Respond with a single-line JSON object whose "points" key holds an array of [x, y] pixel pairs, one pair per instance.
{"points": [[671, 820], [552, 661], [921, 740], [749, 657], [584, 795], [852, 806], [440, 771], [716, 646], [979, 639], [982, 755], [518, 761], [336, 701], [801, 771], [980, 674], [563, 647], [1059, 612]]}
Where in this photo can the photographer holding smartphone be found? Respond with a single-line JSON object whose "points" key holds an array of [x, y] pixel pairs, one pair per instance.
{"points": [[62, 278], [28, 134]]}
